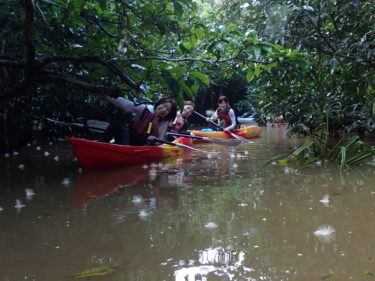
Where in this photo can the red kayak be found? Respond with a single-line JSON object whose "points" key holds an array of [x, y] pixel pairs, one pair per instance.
{"points": [[94, 155]]}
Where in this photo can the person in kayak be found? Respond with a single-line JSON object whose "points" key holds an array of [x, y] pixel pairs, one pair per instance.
{"points": [[180, 124], [224, 115], [151, 122]]}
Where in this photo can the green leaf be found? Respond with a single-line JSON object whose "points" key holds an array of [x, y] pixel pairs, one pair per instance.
{"points": [[78, 5], [178, 9], [184, 47], [343, 162], [198, 32], [220, 46], [195, 89], [256, 51], [180, 100], [202, 77], [103, 4], [92, 272], [185, 88], [249, 75], [368, 273], [171, 81], [302, 148], [257, 71]]}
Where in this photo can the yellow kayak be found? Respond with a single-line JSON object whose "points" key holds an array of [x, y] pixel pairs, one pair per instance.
{"points": [[246, 132]]}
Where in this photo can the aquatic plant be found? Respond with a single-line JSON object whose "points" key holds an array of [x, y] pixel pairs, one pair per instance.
{"points": [[353, 151]]}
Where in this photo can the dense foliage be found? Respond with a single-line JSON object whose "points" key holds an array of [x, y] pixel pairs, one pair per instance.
{"points": [[304, 59], [115, 47], [337, 91]]}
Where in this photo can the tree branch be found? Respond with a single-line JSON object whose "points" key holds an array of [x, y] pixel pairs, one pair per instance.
{"points": [[92, 59], [29, 36], [12, 63], [190, 59], [61, 79]]}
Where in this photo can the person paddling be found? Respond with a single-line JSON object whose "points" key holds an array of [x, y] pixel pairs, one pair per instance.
{"points": [[224, 115], [151, 122], [180, 124]]}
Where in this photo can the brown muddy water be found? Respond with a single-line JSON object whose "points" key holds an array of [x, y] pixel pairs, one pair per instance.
{"points": [[192, 218]]}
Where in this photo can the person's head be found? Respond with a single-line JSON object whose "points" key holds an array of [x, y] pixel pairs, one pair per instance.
{"points": [[166, 108], [223, 102], [188, 110]]}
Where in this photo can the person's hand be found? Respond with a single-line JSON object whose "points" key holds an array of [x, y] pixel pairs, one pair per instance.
{"points": [[208, 119], [151, 138], [226, 129], [192, 134]]}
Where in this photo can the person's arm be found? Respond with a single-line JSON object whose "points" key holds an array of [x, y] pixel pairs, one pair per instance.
{"points": [[233, 119], [213, 116], [126, 104]]}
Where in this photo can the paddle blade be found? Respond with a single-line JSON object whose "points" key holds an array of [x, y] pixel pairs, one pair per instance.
{"points": [[97, 126]]}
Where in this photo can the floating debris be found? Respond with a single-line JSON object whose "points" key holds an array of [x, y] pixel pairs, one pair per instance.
{"points": [[137, 199], [211, 225], [1, 209], [56, 158], [15, 153], [38, 148], [21, 166], [6, 155], [29, 193], [318, 163], [46, 153], [325, 200], [287, 171], [19, 205], [143, 214], [325, 233], [66, 181], [145, 166]]}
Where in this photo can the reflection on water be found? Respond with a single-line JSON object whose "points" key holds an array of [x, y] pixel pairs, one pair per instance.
{"points": [[198, 217]]}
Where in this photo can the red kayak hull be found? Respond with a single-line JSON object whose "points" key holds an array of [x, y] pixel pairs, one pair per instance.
{"points": [[93, 155]]}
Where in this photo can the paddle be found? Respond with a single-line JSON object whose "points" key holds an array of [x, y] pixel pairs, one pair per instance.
{"points": [[182, 145], [226, 142], [222, 129], [93, 125]]}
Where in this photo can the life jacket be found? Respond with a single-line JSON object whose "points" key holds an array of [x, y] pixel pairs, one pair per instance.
{"points": [[177, 124], [223, 115], [147, 124]]}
